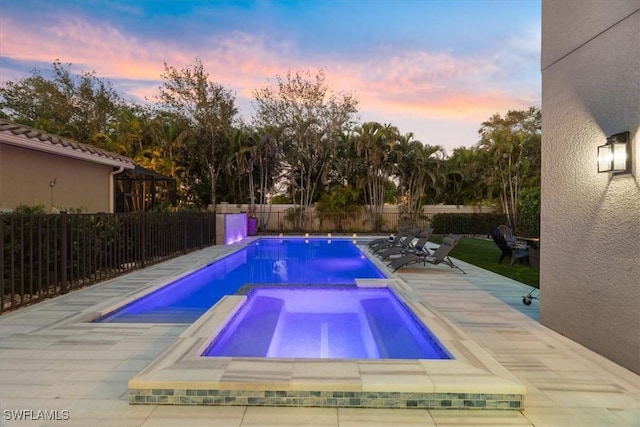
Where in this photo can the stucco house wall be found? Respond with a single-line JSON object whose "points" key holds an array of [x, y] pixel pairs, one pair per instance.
{"points": [[590, 222], [31, 160], [26, 177]]}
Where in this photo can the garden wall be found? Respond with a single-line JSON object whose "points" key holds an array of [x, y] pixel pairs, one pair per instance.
{"points": [[284, 218]]}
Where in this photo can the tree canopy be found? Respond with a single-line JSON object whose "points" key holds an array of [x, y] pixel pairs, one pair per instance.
{"points": [[208, 110], [304, 143], [82, 107], [305, 120]]}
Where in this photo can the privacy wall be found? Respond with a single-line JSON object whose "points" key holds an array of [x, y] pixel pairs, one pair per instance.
{"points": [[590, 223]]}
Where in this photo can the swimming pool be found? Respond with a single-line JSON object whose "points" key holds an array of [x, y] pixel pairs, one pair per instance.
{"points": [[181, 375], [291, 261], [325, 323]]}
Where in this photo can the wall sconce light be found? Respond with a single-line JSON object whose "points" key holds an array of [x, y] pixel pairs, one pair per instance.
{"points": [[614, 156], [52, 184]]}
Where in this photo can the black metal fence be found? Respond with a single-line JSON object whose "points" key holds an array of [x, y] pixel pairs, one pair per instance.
{"points": [[42, 256]]}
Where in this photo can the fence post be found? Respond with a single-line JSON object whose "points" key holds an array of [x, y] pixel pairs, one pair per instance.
{"points": [[143, 239], [201, 220], [63, 252], [212, 227], [185, 220]]}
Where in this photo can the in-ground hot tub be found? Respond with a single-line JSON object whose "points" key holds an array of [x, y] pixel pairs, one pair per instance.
{"points": [[181, 375], [325, 323]]}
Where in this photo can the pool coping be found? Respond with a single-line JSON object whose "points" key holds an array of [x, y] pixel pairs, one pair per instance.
{"points": [[472, 380]]}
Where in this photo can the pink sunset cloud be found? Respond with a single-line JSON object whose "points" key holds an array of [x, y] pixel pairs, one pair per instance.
{"points": [[419, 83], [416, 83]]}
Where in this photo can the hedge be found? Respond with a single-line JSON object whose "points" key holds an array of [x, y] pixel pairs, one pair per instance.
{"points": [[466, 223], [482, 223]]}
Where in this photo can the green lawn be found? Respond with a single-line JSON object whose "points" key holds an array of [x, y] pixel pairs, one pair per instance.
{"points": [[485, 254]]}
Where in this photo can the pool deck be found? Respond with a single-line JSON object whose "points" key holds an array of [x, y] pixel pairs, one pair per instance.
{"points": [[50, 359]]}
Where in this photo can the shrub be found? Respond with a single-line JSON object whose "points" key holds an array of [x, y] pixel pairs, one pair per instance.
{"points": [[466, 223], [36, 209]]}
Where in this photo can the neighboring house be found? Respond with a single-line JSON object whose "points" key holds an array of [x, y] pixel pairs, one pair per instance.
{"points": [[40, 168], [590, 224]]}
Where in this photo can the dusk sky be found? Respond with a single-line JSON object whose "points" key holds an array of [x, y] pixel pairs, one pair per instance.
{"points": [[434, 68]]}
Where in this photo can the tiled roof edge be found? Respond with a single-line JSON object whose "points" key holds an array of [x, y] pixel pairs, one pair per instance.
{"points": [[46, 138]]}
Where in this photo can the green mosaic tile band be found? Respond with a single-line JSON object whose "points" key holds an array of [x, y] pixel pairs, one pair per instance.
{"points": [[331, 399]]}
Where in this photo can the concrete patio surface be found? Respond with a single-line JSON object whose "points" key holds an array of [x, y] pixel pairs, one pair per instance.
{"points": [[53, 364]]}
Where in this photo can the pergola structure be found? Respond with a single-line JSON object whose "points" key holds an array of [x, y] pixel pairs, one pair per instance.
{"points": [[141, 189]]}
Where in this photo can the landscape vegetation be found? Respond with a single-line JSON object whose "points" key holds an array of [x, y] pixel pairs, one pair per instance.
{"points": [[303, 145]]}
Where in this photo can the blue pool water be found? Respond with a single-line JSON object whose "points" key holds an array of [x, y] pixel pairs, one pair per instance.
{"points": [[266, 261], [325, 323]]}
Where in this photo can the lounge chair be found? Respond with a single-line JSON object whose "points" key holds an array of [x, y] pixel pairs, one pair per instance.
{"points": [[512, 250], [419, 247], [440, 256], [395, 239], [404, 242], [402, 232]]}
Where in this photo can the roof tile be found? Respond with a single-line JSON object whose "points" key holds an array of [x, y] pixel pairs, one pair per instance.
{"points": [[47, 138]]}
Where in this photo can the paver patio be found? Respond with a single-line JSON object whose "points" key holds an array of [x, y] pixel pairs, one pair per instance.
{"points": [[51, 360]]}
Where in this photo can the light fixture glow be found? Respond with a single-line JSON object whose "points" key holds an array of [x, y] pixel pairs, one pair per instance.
{"points": [[619, 156], [614, 156]]}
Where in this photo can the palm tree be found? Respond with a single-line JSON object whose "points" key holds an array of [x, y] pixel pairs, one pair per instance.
{"points": [[340, 204], [511, 143], [269, 166], [374, 144], [416, 167], [465, 177], [505, 151], [165, 153]]}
